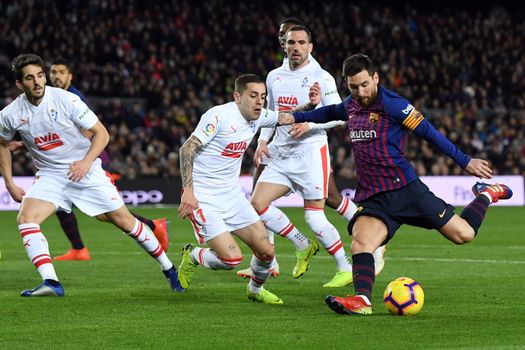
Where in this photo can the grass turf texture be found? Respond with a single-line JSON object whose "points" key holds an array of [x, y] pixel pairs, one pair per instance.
{"points": [[119, 299]]}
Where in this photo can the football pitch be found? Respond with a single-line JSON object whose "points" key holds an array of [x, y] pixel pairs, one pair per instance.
{"points": [[120, 299]]}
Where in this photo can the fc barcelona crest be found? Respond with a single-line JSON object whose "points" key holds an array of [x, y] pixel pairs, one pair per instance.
{"points": [[373, 118]]}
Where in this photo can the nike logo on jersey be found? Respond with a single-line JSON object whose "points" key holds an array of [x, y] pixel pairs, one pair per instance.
{"points": [[24, 121], [442, 214], [48, 142], [234, 149]]}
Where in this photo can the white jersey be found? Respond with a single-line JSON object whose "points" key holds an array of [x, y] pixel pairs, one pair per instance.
{"points": [[289, 89], [51, 130], [225, 134]]}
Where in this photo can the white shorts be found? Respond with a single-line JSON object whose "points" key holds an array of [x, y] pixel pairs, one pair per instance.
{"points": [[307, 174], [221, 213], [95, 194]]}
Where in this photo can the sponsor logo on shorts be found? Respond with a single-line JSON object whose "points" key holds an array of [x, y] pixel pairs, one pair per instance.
{"points": [[442, 214]]}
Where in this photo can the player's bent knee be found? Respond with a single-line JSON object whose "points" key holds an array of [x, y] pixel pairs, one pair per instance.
{"points": [[258, 205], [266, 254], [25, 219], [231, 262], [315, 219], [464, 236], [102, 217]]}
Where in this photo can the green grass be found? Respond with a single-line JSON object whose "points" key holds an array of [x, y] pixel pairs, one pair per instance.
{"points": [[119, 299]]}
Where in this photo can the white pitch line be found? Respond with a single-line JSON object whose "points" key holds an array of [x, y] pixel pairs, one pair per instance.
{"points": [[388, 258], [326, 257], [462, 260]]}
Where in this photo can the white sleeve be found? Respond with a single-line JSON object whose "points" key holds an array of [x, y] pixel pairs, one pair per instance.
{"points": [[6, 131], [80, 113], [268, 118], [267, 122], [328, 125], [266, 134], [329, 94], [208, 126], [268, 131], [270, 103]]}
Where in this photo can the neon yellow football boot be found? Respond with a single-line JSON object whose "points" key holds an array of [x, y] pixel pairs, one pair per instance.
{"points": [[340, 279], [303, 259], [187, 266], [264, 296]]}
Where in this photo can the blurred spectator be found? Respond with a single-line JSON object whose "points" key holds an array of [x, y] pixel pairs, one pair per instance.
{"points": [[168, 62]]}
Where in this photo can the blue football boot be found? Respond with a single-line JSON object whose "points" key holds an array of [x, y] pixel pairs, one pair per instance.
{"points": [[173, 278], [48, 288]]}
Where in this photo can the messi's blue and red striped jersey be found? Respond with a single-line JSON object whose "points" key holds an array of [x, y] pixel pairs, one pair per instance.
{"points": [[379, 135]]}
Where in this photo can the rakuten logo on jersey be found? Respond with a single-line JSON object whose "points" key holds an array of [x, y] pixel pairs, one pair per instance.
{"points": [[47, 142], [235, 149], [286, 103], [362, 135], [141, 197]]}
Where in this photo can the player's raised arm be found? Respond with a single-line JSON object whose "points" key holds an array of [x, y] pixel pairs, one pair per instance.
{"points": [[416, 122], [188, 202]]}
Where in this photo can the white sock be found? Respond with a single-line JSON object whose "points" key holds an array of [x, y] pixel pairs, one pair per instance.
{"points": [[37, 250], [271, 236], [347, 208], [146, 239], [261, 271], [275, 220], [208, 258], [328, 236]]}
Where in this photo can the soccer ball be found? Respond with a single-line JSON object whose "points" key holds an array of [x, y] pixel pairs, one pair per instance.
{"points": [[404, 296]]}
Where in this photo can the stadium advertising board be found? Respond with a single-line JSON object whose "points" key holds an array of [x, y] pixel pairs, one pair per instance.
{"points": [[134, 192], [453, 189]]}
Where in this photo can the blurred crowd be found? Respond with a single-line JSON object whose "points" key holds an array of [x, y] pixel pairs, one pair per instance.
{"points": [[165, 63]]}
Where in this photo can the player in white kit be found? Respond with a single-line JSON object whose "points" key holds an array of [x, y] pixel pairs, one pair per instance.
{"points": [[50, 122], [300, 164], [212, 198]]}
